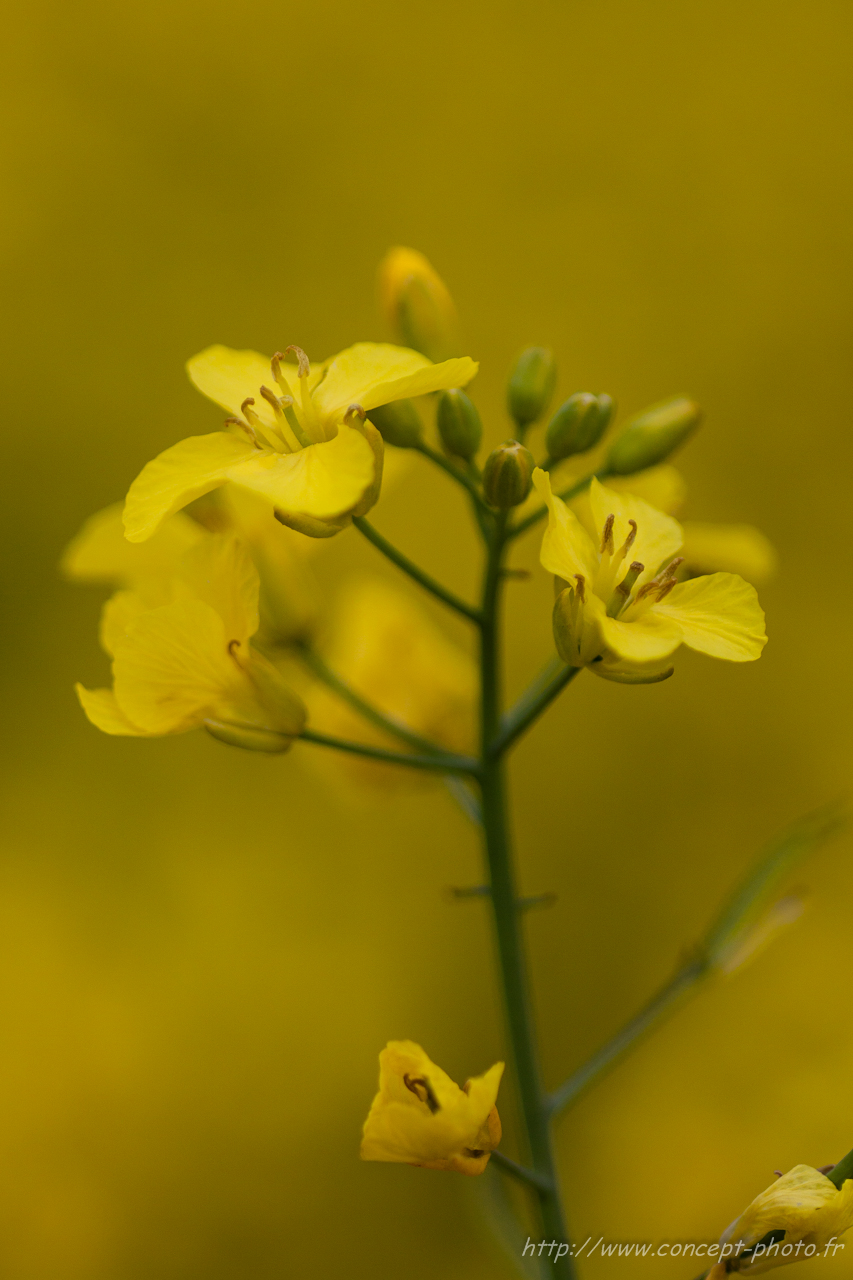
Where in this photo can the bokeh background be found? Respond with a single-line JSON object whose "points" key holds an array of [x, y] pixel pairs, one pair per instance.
{"points": [[201, 951]]}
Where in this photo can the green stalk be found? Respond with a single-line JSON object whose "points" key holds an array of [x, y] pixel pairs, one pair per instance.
{"points": [[408, 566], [439, 762], [507, 921]]}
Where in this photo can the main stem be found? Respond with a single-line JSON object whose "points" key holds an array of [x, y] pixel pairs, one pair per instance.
{"points": [[507, 918]]}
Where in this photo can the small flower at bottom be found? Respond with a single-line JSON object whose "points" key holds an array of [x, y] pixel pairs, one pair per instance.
{"points": [[794, 1219], [182, 658], [421, 1117]]}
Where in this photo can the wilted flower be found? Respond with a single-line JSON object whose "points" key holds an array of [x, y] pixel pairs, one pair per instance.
{"points": [[794, 1219], [421, 1117]]}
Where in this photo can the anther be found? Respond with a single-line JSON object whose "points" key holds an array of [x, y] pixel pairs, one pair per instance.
{"points": [[664, 588], [244, 426], [354, 413], [272, 399], [581, 581], [247, 411], [607, 535], [275, 366], [415, 1084], [304, 362]]}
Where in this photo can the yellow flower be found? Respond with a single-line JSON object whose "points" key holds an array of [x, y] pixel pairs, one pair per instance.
{"points": [[387, 649], [621, 611], [182, 658], [421, 1117], [794, 1219], [416, 304], [306, 446], [707, 547], [289, 594]]}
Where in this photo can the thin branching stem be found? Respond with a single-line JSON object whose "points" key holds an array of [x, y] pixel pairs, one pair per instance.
{"points": [[439, 763], [414, 571], [530, 706]]}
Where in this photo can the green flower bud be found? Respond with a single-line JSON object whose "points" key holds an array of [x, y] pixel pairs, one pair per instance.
{"points": [[578, 425], [507, 475], [459, 424], [399, 423], [531, 385], [652, 435]]}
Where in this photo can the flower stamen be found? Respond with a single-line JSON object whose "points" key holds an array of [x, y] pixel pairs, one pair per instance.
{"points": [[607, 535], [623, 590], [415, 1083]]}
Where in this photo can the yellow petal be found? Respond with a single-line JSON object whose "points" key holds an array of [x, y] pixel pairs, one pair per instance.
{"points": [[101, 553], [177, 476], [122, 610], [648, 639], [174, 668], [228, 377], [102, 709], [566, 546], [220, 572], [662, 487], [803, 1202], [658, 536], [718, 615], [420, 1116], [324, 480], [730, 548], [375, 373]]}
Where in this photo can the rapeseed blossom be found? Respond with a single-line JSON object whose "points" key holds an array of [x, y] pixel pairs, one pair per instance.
{"points": [[182, 658], [794, 1219], [621, 610], [298, 435], [420, 1116]]}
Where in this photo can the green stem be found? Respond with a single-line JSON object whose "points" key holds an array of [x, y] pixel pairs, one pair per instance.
{"points": [[530, 706], [842, 1171], [440, 763], [456, 473], [519, 1171], [664, 1002], [366, 709], [507, 921], [408, 566], [572, 492]]}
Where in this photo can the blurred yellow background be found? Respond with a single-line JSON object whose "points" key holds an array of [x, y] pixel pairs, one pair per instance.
{"points": [[201, 950]]}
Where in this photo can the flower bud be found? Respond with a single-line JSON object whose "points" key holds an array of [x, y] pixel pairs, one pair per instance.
{"points": [[507, 475], [399, 423], [651, 436], [459, 424], [578, 425], [416, 304], [531, 385]]}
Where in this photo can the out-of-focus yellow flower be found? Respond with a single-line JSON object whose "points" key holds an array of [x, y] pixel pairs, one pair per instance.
{"points": [[794, 1219], [389, 651], [182, 657], [289, 594], [305, 446], [416, 305], [622, 611], [420, 1116]]}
